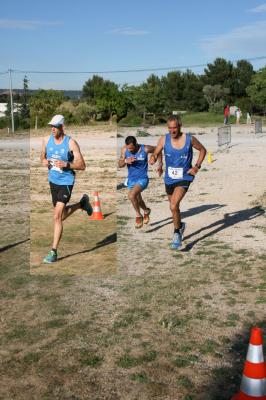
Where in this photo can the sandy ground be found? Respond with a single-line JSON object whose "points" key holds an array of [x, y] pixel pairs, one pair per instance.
{"points": [[220, 204]]}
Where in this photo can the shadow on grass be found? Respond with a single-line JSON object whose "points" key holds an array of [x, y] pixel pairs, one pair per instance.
{"points": [[107, 214], [9, 246], [225, 380], [105, 242], [186, 214], [228, 220]]}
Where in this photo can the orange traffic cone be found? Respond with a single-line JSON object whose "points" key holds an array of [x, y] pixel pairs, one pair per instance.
{"points": [[253, 384], [97, 214]]}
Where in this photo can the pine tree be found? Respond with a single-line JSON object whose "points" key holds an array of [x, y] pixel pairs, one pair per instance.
{"points": [[24, 110]]}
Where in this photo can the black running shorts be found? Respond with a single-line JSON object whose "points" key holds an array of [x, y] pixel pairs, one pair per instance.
{"points": [[60, 193], [170, 188]]}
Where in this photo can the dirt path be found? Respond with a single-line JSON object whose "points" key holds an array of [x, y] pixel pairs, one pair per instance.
{"points": [[220, 205]]}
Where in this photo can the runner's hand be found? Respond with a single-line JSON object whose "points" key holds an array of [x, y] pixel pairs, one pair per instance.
{"points": [[160, 170], [152, 160], [193, 171], [130, 160], [60, 164]]}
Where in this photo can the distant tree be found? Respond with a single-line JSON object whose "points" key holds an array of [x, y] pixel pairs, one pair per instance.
{"points": [[172, 89], [214, 94], [257, 89], [222, 73], [154, 95], [193, 96], [43, 104], [123, 104], [104, 94], [243, 75], [91, 87], [148, 97], [85, 112], [24, 109]]}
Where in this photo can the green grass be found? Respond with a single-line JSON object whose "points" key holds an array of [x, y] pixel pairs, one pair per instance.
{"points": [[91, 360], [131, 317], [185, 360], [139, 377], [185, 381], [32, 358], [126, 361], [210, 346], [203, 119]]}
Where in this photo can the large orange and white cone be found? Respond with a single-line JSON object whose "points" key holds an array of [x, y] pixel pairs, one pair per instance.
{"points": [[253, 384], [97, 213]]}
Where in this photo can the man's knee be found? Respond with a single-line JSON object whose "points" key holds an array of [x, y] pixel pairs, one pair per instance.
{"points": [[174, 206], [58, 215], [131, 195]]}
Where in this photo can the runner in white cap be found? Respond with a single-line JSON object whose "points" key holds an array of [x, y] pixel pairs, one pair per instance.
{"points": [[61, 155]]}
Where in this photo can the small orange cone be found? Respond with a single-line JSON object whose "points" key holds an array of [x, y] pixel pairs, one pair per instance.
{"points": [[97, 214], [253, 384]]}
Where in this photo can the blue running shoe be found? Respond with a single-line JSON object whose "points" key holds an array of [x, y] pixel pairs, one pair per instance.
{"points": [[50, 258], [177, 241], [85, 204], [182, 229]]}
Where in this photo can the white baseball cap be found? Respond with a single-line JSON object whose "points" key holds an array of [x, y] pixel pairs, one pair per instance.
{"points": [[57, 120]]}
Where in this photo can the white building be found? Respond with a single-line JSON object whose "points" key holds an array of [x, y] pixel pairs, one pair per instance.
{"points": [[3, 108]]}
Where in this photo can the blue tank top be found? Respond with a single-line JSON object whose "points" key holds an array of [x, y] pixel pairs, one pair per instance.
{"points": [[177, 161], [139, 169], [61, 152]]}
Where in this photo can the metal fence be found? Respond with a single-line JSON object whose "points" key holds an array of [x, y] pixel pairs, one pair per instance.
{"points": [[258, 126], [224, 135]]}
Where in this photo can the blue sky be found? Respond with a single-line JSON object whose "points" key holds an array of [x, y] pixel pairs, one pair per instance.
{"points": [[113, 35]]}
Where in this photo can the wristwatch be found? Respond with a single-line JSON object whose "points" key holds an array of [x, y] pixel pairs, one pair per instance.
{"points": [[198, 166]]}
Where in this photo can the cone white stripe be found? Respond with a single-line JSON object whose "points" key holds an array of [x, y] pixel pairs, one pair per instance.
{"points": [[253, 387], [97, 209], [255, 354]]}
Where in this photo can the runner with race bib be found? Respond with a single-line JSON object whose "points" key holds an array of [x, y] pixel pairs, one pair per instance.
{"points": [[62, 156], [179, 172]]}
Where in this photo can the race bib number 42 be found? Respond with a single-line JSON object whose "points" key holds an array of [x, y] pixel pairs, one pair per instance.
{"points": [[175, 173]]}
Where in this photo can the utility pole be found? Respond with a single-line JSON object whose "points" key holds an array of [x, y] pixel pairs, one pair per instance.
{"points": [[11, 100]]}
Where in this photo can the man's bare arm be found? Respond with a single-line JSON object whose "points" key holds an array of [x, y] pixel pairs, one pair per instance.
{"points": [[78, 162], [158, 151], [44, 160], [151, 149], [121, 162], [202, 151]]}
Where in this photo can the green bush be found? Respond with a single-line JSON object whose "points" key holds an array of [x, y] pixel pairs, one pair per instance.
{"points": [[131, 120], [142, 133], [217, 108], [245, 105]]}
